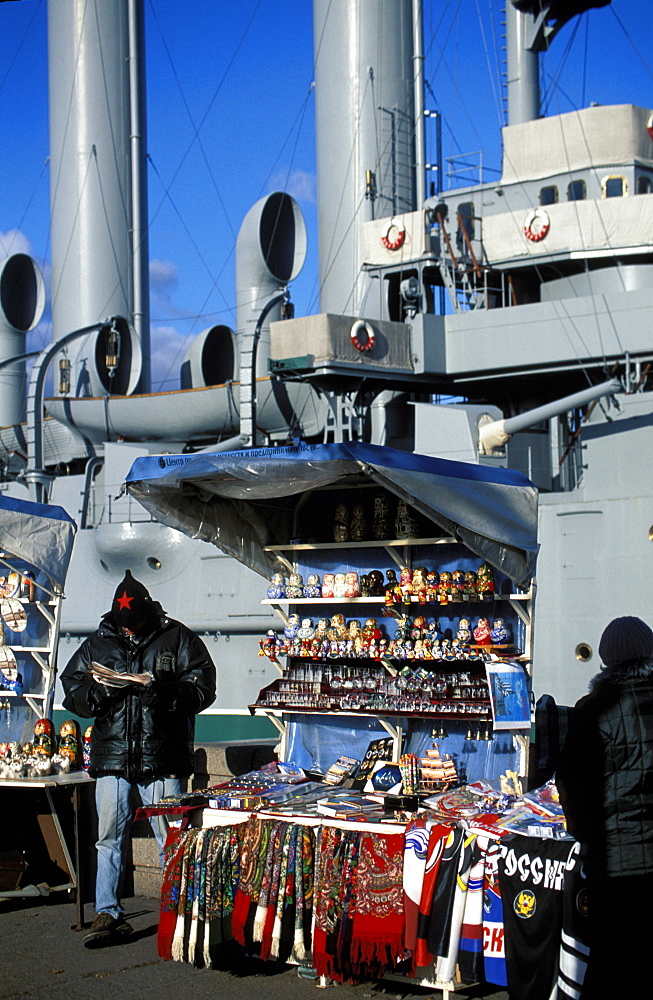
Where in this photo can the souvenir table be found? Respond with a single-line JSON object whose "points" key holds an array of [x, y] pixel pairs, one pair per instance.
{"points": [[54, 804]]}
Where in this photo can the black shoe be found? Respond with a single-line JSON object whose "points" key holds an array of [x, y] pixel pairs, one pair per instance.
{"points": [[104, 929]]}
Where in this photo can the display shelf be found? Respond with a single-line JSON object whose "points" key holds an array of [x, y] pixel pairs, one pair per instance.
{"points": [[387, 543]]}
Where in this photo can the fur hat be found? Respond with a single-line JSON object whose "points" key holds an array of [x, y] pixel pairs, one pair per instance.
{"points": [[132, 603], [625, 639]]}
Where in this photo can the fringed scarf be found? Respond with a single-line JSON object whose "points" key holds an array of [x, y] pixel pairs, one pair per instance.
{"points": [[186, 886], [172, 864], [285, 894], [304, 871], [224, 866], [359, 925], [253, 853]]}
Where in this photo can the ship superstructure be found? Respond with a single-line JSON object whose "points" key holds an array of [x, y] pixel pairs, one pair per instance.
{"points": [[523, 301]]}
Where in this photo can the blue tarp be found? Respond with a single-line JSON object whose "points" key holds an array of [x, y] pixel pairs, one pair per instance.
{"points": [[38, 534], [242, 501]]}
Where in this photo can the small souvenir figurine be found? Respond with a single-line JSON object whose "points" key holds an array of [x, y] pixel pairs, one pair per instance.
{"points": [[457, 585], [268, 645], [295, 588], [371, 632], [404, 629], [354, 630], [44, 738], [312, 587], [341, 523], [375, 577], [405, 526], [86, 747], [432, 586], [291, 628], [28, 587], [70, 743], [390, 586], [351, 585], [482, 632], [433, 630], [444, 587], [277, 588], [419, 627], [381, 521], [464, 633], [328, 581], [485, 582], [339, 585], [365, 585], [358, 526], [500, 633], [406, 583], [470, 592], [419, 583]]}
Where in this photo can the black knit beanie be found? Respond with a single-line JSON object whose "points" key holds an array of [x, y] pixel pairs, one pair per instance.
{"points": [[132, 603], [625, 639]]}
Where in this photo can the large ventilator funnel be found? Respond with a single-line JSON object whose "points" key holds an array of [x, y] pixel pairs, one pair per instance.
{"points": [[22, 299], [270, 252]]}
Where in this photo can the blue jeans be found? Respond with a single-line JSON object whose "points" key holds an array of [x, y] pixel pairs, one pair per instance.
{"points": [[113, 798]]}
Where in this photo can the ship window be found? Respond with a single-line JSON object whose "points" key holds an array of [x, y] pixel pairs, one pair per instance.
{"points": [[644, 184], [614, 187], [576, 191], [548, 195]]}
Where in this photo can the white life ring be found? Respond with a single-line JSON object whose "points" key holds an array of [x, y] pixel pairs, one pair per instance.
{"points": [[536, 225], [365, 342], [398, 232]]}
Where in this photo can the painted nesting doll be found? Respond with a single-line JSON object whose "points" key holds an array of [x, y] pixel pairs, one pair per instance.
{"points": [[44, 739], [70, 744]]}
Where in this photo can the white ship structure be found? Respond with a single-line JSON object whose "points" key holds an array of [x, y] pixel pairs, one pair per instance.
{"points": [[525, 301]]}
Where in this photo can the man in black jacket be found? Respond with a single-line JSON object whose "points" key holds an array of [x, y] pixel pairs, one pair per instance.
{"points": [[143, 677], [605, 779]]}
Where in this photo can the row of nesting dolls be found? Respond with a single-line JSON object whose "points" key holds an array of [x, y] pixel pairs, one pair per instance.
{"points": [[354, 524], [419, 585], [46, 744], [419, 636]]}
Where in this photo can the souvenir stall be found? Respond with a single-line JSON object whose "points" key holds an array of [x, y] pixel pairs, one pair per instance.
{"points": [[39, 787], [404, 588]]}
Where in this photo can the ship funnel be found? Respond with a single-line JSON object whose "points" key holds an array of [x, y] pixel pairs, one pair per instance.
{"points": [[496, 433], [22, 300]]}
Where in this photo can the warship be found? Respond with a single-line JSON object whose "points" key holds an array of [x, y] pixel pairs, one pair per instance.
{"points": [[502, 323]]}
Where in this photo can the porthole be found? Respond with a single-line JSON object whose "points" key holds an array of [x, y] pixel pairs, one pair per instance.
{"points": [[584, 652], [153, 562]]}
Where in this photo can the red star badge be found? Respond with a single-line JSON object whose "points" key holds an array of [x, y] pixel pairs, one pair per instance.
{"points": [[124, 601]]}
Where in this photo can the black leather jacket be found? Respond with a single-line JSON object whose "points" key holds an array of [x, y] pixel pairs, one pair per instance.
{"points": [[605, 772], [142, 733]]}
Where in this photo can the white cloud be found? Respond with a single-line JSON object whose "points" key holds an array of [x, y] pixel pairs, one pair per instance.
{"points": [[167, 348], [13, 241], [163, 276], [299, 184]]}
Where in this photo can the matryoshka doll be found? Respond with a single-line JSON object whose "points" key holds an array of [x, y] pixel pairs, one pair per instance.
{"points": [[500, 633], [432, 586], [457, 585], [406, 584], [70, 743], [482, 632], [358, 526], [470, 592], [352, 588], [341, 523], [485, 582], [43, 742], [86, 747], [464, 633], [339, 585], [312, 588], [295, 588], [418, 583], [444, 587], [328, 581], [277, 588]]}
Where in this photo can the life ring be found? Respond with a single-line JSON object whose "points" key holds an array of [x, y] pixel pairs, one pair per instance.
{"points": [[399, 237], [358, 328], [536, 225]]}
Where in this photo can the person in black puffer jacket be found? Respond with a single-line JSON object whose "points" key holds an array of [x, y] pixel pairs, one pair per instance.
{"points": [[605, 780], [143, 731]]}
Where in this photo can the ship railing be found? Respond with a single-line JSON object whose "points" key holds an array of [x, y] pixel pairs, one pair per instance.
{"points": [[112, 508]]}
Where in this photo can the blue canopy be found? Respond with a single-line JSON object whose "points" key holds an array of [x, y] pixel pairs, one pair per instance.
{"points": [[39, 534], [242, 501]]}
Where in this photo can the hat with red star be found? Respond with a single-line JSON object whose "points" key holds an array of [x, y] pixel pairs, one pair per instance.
{"points": [[131, 602]]}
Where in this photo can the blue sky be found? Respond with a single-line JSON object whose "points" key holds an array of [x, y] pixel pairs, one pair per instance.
{"points": [[244, 71]]}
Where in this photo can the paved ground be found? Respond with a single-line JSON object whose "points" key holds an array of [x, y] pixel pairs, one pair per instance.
{"points": [[42, 958]]}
